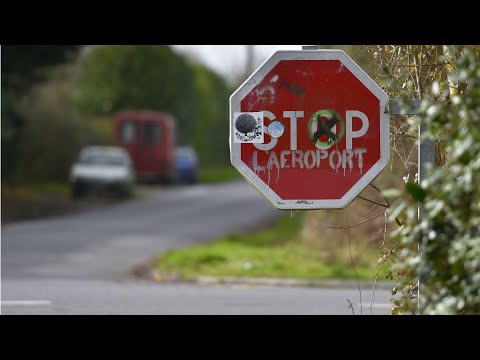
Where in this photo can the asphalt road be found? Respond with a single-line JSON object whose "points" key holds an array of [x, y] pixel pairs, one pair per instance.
{"points": [[146, 298], [77, 264]]}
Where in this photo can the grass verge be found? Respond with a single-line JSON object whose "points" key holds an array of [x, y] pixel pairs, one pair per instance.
{"points": [[21, 202], [219, 174], [35, 201], [275, 253]]}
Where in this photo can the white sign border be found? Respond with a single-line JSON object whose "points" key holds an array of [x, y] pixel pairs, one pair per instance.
{"points": [[258, 183]]}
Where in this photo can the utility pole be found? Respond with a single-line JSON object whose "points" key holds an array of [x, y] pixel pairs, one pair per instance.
{"points": [[249, 68]]}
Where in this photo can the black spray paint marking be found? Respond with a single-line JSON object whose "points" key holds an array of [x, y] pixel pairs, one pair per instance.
{"points": [[291, 87]]}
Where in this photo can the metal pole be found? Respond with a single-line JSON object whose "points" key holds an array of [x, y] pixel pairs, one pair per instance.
{"points": [[426, 149], [404, 106], [426, 155], [249, 68]]}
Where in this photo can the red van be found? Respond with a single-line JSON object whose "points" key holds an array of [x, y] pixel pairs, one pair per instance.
{"points": [[150, 139]]}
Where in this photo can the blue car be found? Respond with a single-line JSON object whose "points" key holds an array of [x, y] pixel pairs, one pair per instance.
{"points": [[187, 164]]}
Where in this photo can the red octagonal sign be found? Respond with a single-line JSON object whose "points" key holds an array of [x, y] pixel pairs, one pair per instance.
{"points": [[309, 129]]}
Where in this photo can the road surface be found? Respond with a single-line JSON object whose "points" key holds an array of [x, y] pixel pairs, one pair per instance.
{"points": [[145, 298], [77, 264]]}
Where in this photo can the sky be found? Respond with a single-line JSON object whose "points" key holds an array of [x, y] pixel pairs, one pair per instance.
{"points": [[230, 60]]}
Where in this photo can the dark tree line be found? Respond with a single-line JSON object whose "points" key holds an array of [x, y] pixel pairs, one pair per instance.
{"points": [[46, 120], [154, 77], [23, 66]]}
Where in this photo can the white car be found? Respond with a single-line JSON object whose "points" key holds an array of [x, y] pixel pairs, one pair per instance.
{"points": [[102, 168]]}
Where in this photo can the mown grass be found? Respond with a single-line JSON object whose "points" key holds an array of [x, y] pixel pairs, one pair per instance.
{"points": [[219, 174], [275, 253]]}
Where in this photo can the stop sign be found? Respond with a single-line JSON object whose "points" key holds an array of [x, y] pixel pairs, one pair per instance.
{"points": [[309, 129]]}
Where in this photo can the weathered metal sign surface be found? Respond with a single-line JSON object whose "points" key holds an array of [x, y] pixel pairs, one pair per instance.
{"points": [[309, 129]]}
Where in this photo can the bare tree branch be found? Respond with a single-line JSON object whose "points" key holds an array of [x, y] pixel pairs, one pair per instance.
{"points": [[359, 223], [380, 265], [350, 306], [347, 229], [372, 208], [373, 201]]}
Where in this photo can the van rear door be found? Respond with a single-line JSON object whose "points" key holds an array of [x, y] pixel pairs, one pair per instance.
{"points": [[151, 155], [129, 138]]}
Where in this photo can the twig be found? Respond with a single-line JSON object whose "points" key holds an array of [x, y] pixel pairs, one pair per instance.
{"points": [[378, 190], [391, 251], [373, 291], [353, 264], [372, 201], [401, 157], [372, 208], [350, 226], [386, 200], [380, 265], [351, 306], [385, 229], [360, 49], [417, 73]]}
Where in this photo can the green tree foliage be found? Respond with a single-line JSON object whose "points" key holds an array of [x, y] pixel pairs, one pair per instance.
{"points": [[49, 142], [11, 124], [153, 77], [53, 133], [23, 66], [138, 77], [442, 249], [212, 121], [408, 71]]}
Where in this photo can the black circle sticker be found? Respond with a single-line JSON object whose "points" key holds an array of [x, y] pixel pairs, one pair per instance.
{"points": [[320, 128]]}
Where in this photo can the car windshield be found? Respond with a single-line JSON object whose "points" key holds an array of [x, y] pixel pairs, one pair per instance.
{"points": [[102, 159], [186, 153]]}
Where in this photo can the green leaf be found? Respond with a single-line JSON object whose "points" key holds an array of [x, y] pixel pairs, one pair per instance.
{"points": [[416, 191], [465, 158]]}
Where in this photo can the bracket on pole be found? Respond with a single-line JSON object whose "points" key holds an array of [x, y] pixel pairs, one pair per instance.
{"points": [[405, 107], [309, 47]]}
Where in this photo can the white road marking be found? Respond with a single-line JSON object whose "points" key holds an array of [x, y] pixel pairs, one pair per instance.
{"points": [[25, 303], [195, 191]]}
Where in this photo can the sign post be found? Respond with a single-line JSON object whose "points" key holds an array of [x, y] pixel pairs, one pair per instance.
{"points": [[309, 129]]}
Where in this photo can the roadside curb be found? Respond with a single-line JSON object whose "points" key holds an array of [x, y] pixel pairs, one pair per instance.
{"points": [[146, 272], [318, 283]]}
